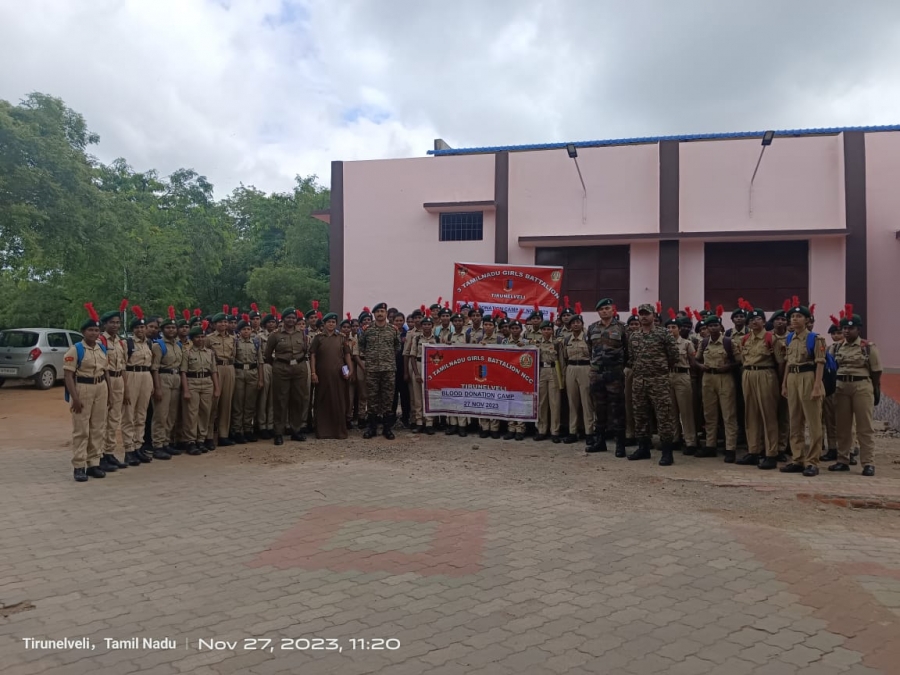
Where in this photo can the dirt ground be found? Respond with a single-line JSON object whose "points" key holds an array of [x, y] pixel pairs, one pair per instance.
{"points": [[38, 421]]}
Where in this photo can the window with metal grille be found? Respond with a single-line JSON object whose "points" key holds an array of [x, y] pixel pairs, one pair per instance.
{"points": [[462, 226]]}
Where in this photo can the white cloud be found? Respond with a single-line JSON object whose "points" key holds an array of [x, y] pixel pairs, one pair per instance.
{"points": [[256, 91]]}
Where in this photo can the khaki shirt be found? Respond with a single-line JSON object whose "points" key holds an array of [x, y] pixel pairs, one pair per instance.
{"points": [[419, 349], [685, 350], [116, 352], [93, 365], [755, 352], [460, 338], [532, 335], [549, 350], [172, 359], [715, 356], [798, 355], [353, 341], [223, 347], [488, 339], [576, 349], [858, 358], [196, 360], [247, 353], [407, 343], [141, 356], [284, 347]]}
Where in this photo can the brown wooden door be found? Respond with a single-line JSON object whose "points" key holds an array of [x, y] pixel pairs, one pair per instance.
{"points": [[763, 273], [591, 273]]}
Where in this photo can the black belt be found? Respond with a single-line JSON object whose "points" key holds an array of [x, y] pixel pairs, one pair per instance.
{"points": [[759, 367], [678, 369], [579, 363], [223, 362], [288, 361], [195, 376], [137, 369], [169, 371], [853, 378], [246, 366], [547, 365], [114, 373], [807, 368], [90, 380]]}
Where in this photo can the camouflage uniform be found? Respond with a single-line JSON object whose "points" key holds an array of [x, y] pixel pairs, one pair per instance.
{"points": [[651, 355], [609, 353], [379, 345]]}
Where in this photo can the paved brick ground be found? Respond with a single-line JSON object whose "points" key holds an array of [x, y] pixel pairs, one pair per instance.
{"points": [[467, 576]]}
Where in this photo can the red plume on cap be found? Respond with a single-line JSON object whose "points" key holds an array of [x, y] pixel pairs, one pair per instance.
{"points": [[707, 306], [672, 313], [318, 315], [634, 311], [566, 301], [658, 307], [842, 314], [246, 317], [835, 320], [519, 315], [812, 309], [848, 311], [186, 313], [474, 305], [172, 312], [552, 317], [615, 309], [457, 306], [720, 311], [537, 307], [786, 305], [198, 312], [440, 299], [204, 325], [278, 316], [254, 307], [688, 310], [795, 300], [446, 304], [315, 304], [428, 312], [350, 318], [578, 308], [234, 311], [697, 315], [138, 312], [367, 310], [123, 305], [224, 309]]}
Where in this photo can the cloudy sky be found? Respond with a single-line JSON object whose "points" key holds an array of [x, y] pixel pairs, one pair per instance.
{"points": [[256, 91]]}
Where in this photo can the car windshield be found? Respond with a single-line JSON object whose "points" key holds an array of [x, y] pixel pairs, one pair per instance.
{"points": [[18, 338]]}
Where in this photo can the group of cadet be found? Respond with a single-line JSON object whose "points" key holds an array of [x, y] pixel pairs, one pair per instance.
{"points": [[188, 385]]}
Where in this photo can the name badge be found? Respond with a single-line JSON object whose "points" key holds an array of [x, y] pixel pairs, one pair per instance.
{"points": [[293, 362], [614, 334], [246, 367]]}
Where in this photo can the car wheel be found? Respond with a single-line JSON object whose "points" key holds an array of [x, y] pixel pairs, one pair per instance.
{"points": [[46, 378]]}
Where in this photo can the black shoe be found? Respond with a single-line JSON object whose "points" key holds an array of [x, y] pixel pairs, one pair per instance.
{"points": [[95, 472], [571, 438], [520, 436], [388, 433], [792, 468], [599, 445], [810, 471], [868, 470], [630, 442], [783, 457], [159, 453], [209, 445], [239, 439], [829, 456], [730, 456], [143, 456], [642, 452], [112, 459], [418, 429], [853, 460], [496, 435], [839, 466], [193, 450], [250, 438], [174, 451], [768, 463], [462, 432], [298, 438], [106, 466], [225, 442], [706, 452], [667, 459], [690, 451], [621, 443], [279, 439], [748, 460], [371, 427], [540, 437], [80, 476], [508, 436], [555, 439], [484, 433], [132, 459], [429, 431], [592, 439], [450, 431]]}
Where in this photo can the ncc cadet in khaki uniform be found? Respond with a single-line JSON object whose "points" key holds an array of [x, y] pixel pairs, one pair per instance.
{"points": [[576, 362], [829, 422], [762, 361], [265, 410], [222, 345], [457, 336], [424, 337], [415, 327], [288, 352], [444, 330], [739, 319], [255, 320], [199, 386], [118, 392], [804, 391], [346, 328], [550, 379], [716, 360], [632, 324], [86, 387], [184, 341], [359, 361], [248, 380], [515, 429], [532, 331], [488, 426], [165, 367], [682, 393], [140, 388], [858, 392], [779, 321], [565, 316], [476, 324]]}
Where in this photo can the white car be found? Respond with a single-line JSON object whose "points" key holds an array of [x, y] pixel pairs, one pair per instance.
{"points": [[35, 354]]}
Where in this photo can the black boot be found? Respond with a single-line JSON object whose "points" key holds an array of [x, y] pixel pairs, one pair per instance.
{"points": [[208, 445], [643, 450], [706, 452], [371, 427], [175, 450], [768, 463], [193, 450], [484, 433], [143, 456], [114, 461], [463, 432], [690, 451], [106, 466], [132, 459], [80, 476], [279, 439], [250, 438], [829, 456], [159, 453], [666, 459], [387, 427], [748, 460], [730, 456], [630, 442], [621, 443], [95, 472], [225, 442], [239, 439], [599, 445]]}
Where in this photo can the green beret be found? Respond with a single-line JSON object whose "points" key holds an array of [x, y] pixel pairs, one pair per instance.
{"points": [[854, 321], [779, 314], [833, 328], [576, 317], [457, 316], [195, 331], [566, 310], [181, 322], [685, 321], [672, 322], [345, 322], [89, 323], [330, 316], [503, 322], [135, 322], [167, 322], [110, 315], [799, 309], [445, 311], [605, 302], [254, 314], [633, 318], [231, 317], [489, 319], [546, 324], [216, 318], [195, 320], [428, 319], [712, 320], [536, 314], [287, 311], [515, 323], [269, 317], [739, 312], [380, 305], [756, 314], [242, 325]]}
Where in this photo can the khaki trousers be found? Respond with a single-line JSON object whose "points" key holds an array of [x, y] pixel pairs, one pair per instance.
{"points": [[418, 403], [629, 403], [486, 424], [290, 389], [361, 395], [197, 409], [578, 394], [548, 402], [683, 404], [265, 411], [829, 423], [761, 411], [114, 413], [89, 426], [140, 388], [220, 414], [243, 403], [516, 427], [718, 396], [855, 402], [804, 410], [165, 412]]}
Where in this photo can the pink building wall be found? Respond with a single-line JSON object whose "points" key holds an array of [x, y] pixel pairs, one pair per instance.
{"points": [[391, 247], [799, 185], [883, 248], [826, 278]]}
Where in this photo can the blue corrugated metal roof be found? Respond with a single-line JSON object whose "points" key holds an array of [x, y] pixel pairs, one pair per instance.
{"points": [[657, 139]]}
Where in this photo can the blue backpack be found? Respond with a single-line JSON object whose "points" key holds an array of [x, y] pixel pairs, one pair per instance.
{"points": [[79, 352], [829, 374]]}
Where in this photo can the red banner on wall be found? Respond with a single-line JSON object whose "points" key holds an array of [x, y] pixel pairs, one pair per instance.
{"points": [[481, 381], [508, 287]]}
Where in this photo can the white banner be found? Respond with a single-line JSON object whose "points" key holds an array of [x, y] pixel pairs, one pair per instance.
{"points": [[484, 403]]}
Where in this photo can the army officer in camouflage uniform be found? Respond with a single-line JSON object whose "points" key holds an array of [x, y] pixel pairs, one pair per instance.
{"points": [[379, 344]]}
